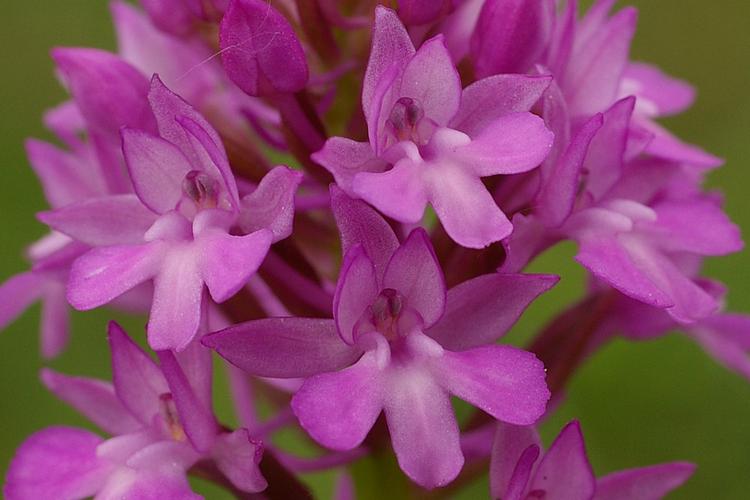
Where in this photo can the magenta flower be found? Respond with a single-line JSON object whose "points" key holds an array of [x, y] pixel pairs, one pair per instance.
{"points": [[175, 229], [402, 347], [634, 229], [637, 249], [107, 94], [521, 470], [260, 51], [162, 425], [438, 139], [518, 122]]}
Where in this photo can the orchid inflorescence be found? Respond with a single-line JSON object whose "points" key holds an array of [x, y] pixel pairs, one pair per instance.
{"points": [[364, 284]]}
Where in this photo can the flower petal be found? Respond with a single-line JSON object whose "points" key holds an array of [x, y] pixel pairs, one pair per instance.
{"points": [[110, 220], [102, 274], [66, 122], [391, 46], [65, 178], [558, 194], [161, 480], [607, 259], [356, 290], [108, 91], [345, 158], [504, 381], [511, 144], [481, 310], [727, 338], [690, 301], [338, 409], [196, 418], [180, 124], [271, 205], [226, 262], [598, 61], [696, 226], [238, 456], [55, 322], [359, 224], [515, 450], [172, 16], [423, 428], [176, 306], [283, 347], [93, 398], [565, 471], [665, 145], [490, 98], [212, 158], [18, 293], [151, 50], [510, 35], [398, 193], [196, 361], [57, 462], [465, 208], [432, 80], [645, 483], [604, 159], [157, 169], [521, 474], [137, 380], [260, 49], [415, 273], [663, 94]]}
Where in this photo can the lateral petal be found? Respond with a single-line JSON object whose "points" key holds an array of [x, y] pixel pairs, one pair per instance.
{"points": [[338, 409], [506, 382], [283, 347], [490, 98], [57, 462], [511, 144], [482, 309], [226, 262], [111, 220], [104, 273], [93, 398], [271, 205]]}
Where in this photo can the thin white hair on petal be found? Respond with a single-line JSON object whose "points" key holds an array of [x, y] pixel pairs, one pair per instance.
{"points": [[237, 45]]}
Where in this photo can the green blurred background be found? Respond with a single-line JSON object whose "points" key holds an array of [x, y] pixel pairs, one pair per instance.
{"points": [[638, 403]]}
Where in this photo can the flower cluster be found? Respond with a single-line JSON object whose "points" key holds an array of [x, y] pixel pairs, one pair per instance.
{"points": [[366, 283]]}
